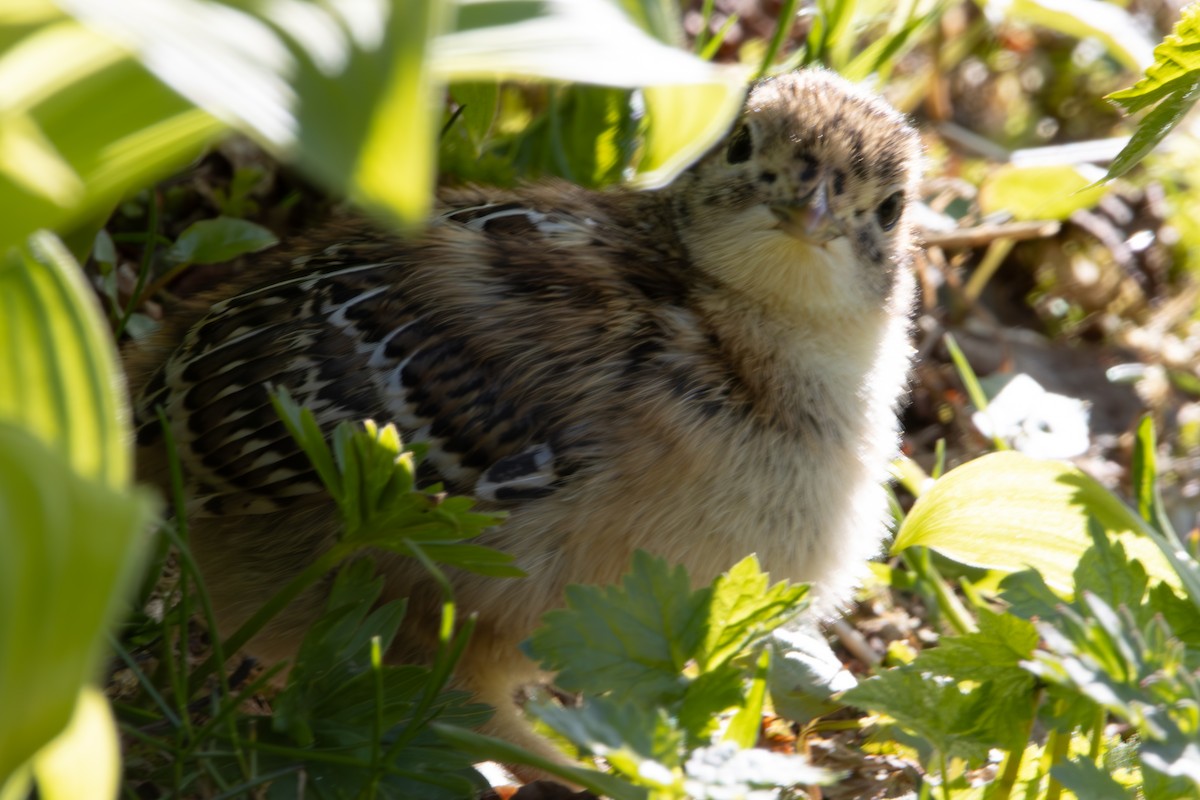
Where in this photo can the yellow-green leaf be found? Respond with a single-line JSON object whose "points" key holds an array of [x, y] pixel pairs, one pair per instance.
{"points": [[1008, 511], [70, 544], [81, 124], [85, 759], [1029, 193], [58, 373]]}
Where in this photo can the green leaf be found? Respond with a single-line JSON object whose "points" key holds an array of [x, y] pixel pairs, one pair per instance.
{"points": [[212, 241], [744, 609], [1173, 81], [992, 657], [1088, 19], [85, 759], [337, 701], [723, 771], [72, 528], [744, 727], [69, 550], [1153, 129], [707, 697], [1182, 617], [938, 711], [1008, 511], [58, 173], [1085, 779], [633, 640], [968, 694], [627, 735], [1105, 571], [1175, 69], [58, 373], [805, 674], [1034, 193], [351, 93]]}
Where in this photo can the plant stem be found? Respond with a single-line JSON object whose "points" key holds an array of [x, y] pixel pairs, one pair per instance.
{"points": [[330, 559]]}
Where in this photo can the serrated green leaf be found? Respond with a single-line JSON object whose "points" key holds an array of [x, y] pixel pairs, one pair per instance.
{"points": [[625, 734], [1175, 68], [1085, 779], [212, 241], [1008, 511], [633, 640], [746, 608], [936, 710], [1172, 80], [1153, 129], [1028, 596], [1104, 570], [991, 656], [1182, 617]]}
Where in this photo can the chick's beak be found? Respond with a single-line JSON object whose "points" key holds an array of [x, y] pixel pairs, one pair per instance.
{"points": [[809, 219]]}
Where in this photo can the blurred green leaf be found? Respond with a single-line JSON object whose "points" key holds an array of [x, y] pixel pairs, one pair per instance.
{"points": [[81, 125], [72, 528], [212, 241], [1173, 81], [68, 551], [58, 373], [352, 92], [1086, 779], [1030, 193], [1009, 511], [85, 759], [1087, 19]]}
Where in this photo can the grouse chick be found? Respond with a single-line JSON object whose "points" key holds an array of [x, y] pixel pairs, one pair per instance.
{"points": [[702, 371]]}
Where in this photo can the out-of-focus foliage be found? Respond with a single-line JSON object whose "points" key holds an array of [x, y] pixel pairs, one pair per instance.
{"points": [[71, 527]]}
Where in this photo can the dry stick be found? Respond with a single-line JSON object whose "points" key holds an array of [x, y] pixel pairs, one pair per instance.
{"points": [[980, 235]]}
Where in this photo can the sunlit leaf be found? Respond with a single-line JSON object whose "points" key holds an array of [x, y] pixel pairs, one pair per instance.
{"points": [[1009, 511], [70, 526], [684, 121], [81, 125], [1175, 69], [1087, 19], [1030, 193], [58, 372], [1173, 81], [351, 92], [85, 759]]}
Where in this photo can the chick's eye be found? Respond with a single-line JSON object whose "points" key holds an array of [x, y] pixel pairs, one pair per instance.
{"points": [[741, 147], [888, 212]]}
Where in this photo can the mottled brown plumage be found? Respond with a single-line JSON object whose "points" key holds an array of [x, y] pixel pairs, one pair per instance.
{"points": [[702, 371]]}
